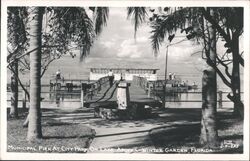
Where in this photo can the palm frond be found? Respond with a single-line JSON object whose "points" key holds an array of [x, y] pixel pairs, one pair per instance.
{"points": [[75, 26], [164, 25], [138, 15], [100, 19]]}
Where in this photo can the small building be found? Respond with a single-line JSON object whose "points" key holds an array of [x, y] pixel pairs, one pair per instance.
{"points": [[125, 73]]}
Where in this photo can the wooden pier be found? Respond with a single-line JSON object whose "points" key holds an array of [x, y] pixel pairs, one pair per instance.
{"points": [[104, 98], [99, 94], [106, 95]]}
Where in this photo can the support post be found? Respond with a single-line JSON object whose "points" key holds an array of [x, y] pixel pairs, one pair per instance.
{"points": [[83, 93], [82, 98], [149, 89], [165, 81], [123, 97], [220, 99], [92, 91], [58, 86], [99, 85], [95, 88], [50, 89], [24, 100]]}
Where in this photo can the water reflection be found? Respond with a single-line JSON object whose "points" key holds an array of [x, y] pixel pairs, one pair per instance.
{"points": [[173, 100], [63, 98]]}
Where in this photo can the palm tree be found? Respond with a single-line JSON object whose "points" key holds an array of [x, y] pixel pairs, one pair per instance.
{"points": [[35, 129], [74, 24]]}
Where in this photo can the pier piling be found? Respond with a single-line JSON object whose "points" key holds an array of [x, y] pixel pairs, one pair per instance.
{"points": [[83, 93], [220, 99], [24, 100]]}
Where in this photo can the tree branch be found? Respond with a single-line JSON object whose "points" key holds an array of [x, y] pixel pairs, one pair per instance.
{"points": [[27, 53], [216, 25], [24, 64], [46, 66], [241, 60], [211, 63], [226, 67], [15, 50], [20, 82]]}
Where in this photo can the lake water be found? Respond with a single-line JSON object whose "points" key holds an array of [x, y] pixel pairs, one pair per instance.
{"points": [[191, 99], [73, 69]]}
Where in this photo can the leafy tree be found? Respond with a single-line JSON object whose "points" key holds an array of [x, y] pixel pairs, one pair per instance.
{"points": [[16, 42], [228, 23], [209, 134], [191, 20]]}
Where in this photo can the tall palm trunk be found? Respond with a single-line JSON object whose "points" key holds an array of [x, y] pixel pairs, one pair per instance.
{"points": [[209, 134], [34, 127], [14, 90]]}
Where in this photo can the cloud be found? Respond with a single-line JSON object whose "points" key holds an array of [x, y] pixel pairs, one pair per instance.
{"points": [[132, 48], [117, 41], [180, 51], [108, 44]]}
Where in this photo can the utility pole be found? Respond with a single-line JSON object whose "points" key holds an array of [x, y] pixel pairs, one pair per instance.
{"points": [[166, 72], [165, 80]]}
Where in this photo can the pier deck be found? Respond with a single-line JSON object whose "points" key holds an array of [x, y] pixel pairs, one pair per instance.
{"points": [[107, 96]]}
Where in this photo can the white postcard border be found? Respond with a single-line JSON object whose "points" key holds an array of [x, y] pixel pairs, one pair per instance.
{"points": [[98, 156]]}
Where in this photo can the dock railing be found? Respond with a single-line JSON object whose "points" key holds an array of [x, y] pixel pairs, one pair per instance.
{"points": [[151, 86], [88, 90], [148, 86]]}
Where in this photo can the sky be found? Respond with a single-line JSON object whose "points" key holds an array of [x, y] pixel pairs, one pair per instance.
{"points": [[116, 47], [117, 43], [117, 40]]}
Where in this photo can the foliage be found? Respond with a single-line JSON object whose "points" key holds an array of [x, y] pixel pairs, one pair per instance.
{"points": [[100, 17], [138, 15], [190, 20], [227, 21], [64, 29], [167, 23], [16, 33]]}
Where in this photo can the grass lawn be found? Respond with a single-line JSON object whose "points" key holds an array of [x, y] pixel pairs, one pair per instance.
{"points": [[58, 137], [184, 138], [176, 131]]}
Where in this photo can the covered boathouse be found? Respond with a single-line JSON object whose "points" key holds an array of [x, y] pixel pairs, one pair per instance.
{"points": [[124, 73]]}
